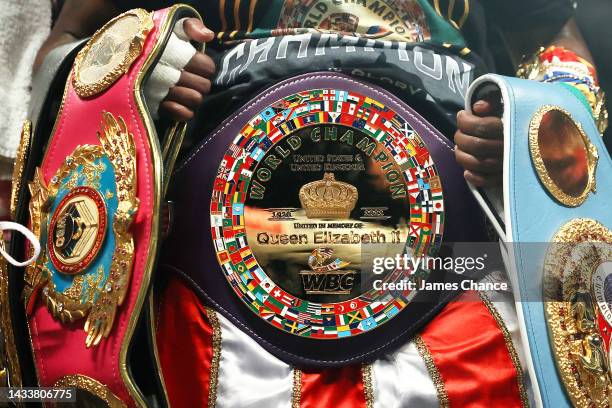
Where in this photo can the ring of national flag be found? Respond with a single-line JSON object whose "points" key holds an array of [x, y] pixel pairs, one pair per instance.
{"points": [[279, 120]]}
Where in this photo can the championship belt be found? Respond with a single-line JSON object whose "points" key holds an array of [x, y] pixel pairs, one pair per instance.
{"points": [[280, 210], [556, 220], [92, 191]]}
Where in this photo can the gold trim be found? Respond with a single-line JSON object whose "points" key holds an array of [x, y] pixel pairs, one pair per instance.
{"points": [[157, 163], [145, 20], [571, 310], [10, 375], [368, 388], [538, 163], [216, 357], [449, 12], [92, 386], [296, 391], [516, 362], [19, 166], [153, 328], [466, 13], [433, 371], [172, 146], [437, 7]]}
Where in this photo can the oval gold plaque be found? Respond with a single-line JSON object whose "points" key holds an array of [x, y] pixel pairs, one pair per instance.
{"points": [[110, 52], [563, 156]]}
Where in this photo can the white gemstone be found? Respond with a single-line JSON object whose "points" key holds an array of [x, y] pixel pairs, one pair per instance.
{"points": [[108, 287], [46, 291], [60, 307], [54, 179], [69, 160]]}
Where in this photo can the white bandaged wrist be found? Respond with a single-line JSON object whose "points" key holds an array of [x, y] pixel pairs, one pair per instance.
{"points": [[166, 74]]}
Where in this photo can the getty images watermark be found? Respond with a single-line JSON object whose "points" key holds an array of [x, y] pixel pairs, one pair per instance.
{"points": [[394, 269]]}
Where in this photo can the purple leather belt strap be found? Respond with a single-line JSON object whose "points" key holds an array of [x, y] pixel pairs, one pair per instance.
{"points": [[189, 250]]}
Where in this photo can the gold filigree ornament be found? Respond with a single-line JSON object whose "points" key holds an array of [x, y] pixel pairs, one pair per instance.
{"points": [[110, 52], [84, 269], [562, 154], [18, 167], [577, 288]]}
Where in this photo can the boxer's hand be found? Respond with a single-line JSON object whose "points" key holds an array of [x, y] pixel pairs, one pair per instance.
{"points": [[194, 84], [480, 143]]}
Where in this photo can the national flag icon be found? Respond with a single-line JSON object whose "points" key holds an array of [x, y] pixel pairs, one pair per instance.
{"points": [[266, 314], [329, 320], [235, 257], [238, 209], [438, 205], [353, 316], [219, 244], [343, 331], [250, 262], [228, 268], [313, 308], [304, 330], [223, 257], [368, 324], [267, 285], [219, 184], [327, 309], [290, 325]]}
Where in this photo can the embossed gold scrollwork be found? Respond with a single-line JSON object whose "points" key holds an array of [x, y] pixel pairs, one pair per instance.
{"points": [[77, 301], [18, 167], [119, 146], [111, 51], [573, 313]]}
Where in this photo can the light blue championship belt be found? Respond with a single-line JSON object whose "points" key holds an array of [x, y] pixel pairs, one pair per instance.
{"points": [[554, 217]]}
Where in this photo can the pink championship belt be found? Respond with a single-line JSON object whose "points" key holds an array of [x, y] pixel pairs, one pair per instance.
{"points": [[95, 204]]}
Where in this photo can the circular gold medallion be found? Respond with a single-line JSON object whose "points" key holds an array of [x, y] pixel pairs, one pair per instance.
{"points": [[110, 52], [77, 230], [309, 192], [578, 295]]}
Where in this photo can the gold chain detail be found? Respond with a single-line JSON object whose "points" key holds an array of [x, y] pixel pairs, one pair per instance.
{"points": [[516, 362], [92, 386], [296, 392], [216, 357], [433, 371], [368, 388]]}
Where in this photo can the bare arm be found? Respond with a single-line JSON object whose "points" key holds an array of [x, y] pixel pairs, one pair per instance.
{"points": [[78, 19], [479, 137]]}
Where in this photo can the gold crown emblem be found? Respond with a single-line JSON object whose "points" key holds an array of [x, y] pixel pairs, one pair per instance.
{"points": [[328, 198]]}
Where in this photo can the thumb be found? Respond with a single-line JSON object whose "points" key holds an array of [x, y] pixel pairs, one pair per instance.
{"points": [[197, 31], [488, 103]]}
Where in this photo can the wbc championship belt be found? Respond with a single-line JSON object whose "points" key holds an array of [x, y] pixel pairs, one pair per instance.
{"points": [[290, 199], [91, 190], [556, 223]]}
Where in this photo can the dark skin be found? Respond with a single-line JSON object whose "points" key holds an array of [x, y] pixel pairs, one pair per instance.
{"points": [[479, 136]]}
